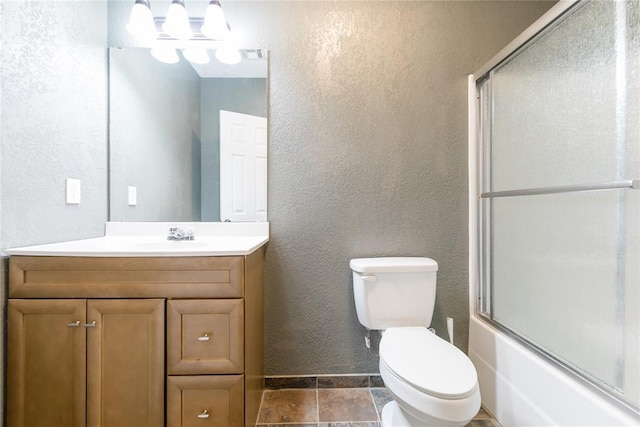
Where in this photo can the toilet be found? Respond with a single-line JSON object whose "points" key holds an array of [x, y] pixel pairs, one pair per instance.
{"points": [[432, 382]]}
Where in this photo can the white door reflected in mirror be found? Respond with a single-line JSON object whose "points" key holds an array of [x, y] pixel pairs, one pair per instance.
{"points": [[243, 167]]}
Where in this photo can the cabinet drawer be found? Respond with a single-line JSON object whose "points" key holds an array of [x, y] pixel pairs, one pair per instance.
{"points": [[205, 336], [161, 277], [205, 401]]}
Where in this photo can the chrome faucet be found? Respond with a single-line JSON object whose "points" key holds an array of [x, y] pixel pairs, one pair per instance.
{"points": [[177, 233]]}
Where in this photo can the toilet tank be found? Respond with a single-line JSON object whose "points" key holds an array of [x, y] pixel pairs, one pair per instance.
{"points": [[394, 292]]}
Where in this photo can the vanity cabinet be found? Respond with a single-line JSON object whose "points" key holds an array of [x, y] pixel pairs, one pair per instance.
{"points": [[205, 362], [68, 355], [86, 341]]}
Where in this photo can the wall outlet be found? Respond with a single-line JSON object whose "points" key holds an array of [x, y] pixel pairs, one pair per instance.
{"points": [[72, 192], [132, 195]]}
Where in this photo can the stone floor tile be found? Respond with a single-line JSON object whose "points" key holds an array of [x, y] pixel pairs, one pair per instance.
{"points": [[288, 406], [381, 397], [484, 423], [346, 405], [356, 424], [288, 425], [482, 414]]}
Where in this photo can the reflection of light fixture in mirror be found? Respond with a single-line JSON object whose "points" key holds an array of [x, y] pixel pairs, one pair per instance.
{"points": [[196, 55], [177, 23], [141, 23], [168, 55], [228, 55], [215, 24]]}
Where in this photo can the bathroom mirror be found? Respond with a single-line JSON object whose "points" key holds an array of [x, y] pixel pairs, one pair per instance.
{"points": [[165, 139]]}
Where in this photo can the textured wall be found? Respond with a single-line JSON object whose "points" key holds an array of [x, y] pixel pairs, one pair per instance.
{"points": [[53, 71], [248, 96], [154, 133], [52, 123], [367, 148], [367, 157]]}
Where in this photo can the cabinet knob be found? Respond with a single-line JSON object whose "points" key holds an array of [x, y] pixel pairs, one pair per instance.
{"points": [[90, 325], [203, 414], [204, 337], [75, 324]]}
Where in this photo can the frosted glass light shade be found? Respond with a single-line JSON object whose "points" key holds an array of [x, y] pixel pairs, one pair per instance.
{"points": [[196, 55], [215, 24], [228, 55], [168, 55], [177, 22], [141, 23]]}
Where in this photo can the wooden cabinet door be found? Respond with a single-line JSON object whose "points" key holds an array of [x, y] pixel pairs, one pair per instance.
{"points": [[46, 363], [125, 363]]}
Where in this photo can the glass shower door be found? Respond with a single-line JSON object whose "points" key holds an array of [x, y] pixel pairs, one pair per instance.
{"points": [[560, 206]]}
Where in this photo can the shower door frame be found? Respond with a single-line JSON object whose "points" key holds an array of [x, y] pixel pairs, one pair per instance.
{"points": [[480, 216]]}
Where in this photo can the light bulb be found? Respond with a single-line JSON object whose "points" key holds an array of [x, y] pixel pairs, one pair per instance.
{"points": [[228, 55], [215, 24], [168, 55], [141, 23], [196, 55], [177, 22]]}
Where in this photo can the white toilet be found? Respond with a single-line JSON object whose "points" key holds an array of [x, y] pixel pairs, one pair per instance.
{"points": [[432, 382]]}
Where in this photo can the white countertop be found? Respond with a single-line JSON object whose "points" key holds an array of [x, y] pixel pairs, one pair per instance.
{"points": [[140, 239]]}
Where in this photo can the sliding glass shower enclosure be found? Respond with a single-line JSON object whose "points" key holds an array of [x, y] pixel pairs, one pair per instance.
{"points": [[558, 126]]}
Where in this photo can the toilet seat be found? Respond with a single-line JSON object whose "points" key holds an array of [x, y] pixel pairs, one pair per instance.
{"points": [[428, 363]]}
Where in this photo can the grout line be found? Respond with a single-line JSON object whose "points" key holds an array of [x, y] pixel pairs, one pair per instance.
{"points": [[488, 416], [375, 406], [285, 423], [260, 406]]}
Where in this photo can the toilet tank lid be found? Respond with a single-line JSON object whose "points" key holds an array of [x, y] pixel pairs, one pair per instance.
{"points": [[393, 265]]}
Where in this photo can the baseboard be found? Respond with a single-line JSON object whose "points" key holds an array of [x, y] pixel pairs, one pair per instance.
{"points": [[323, 381]]}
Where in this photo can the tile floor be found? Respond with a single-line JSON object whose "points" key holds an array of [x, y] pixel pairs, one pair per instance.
{"points": [[333, 407]]}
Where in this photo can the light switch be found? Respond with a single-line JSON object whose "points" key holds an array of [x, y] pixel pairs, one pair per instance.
{"points": [[72, 193], [133, 195]]}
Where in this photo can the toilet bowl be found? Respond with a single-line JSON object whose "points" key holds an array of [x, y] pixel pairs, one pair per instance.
{"points": [[432, 382]]}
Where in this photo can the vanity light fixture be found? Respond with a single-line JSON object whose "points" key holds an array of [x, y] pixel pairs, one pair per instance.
{"points": [[178, 26], [177, 23], [215, 24], [141, 24]]}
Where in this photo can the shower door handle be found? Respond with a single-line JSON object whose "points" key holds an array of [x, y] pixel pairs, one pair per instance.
{"points": [[630, 184]]}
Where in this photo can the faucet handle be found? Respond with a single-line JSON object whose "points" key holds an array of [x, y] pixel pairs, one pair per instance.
{"points": [[172, 233], [177, 233], [190, 234]]}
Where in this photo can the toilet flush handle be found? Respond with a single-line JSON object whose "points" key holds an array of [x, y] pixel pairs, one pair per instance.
{"points": [[368, 277]]}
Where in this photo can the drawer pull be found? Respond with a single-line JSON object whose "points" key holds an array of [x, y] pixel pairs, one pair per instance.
{"points": [[204, 414], [90, 325], [75, 324], [204, 337]]}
